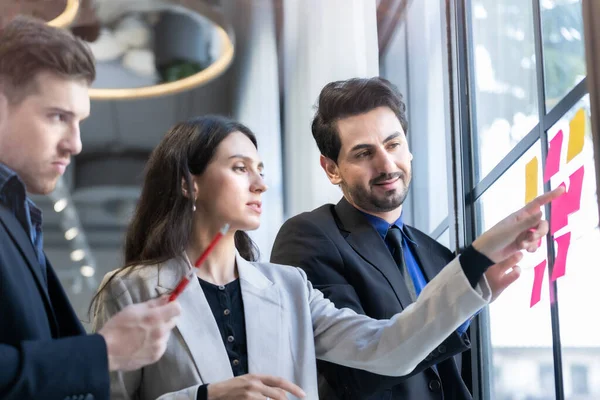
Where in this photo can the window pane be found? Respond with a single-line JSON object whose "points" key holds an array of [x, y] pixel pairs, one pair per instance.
{"points": [[580, 334], [506, 103], [427, 129], [564, 50], [580, 380], [444, 239], [521, 337]]}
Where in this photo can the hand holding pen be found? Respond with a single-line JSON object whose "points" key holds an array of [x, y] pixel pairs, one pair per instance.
{"points": [[186, 279]]}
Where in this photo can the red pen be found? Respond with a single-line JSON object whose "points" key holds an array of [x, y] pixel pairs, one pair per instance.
{"points": [[186, 279]]}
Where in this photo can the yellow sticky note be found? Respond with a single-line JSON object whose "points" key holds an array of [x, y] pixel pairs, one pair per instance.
{"points": [[531, 180], [576, 134]]}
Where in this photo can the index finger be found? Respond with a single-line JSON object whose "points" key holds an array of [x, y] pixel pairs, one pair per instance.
{"points": [[281, 383], [545, 198]]}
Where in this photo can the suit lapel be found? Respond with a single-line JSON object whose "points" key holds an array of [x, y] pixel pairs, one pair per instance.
{"points": [[262, 312], [365, 240], [66, 319], [197, 324], [427, 257], [23, 242]]}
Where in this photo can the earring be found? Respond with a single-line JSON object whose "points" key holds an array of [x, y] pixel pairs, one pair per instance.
{"points": [[193, 208]]}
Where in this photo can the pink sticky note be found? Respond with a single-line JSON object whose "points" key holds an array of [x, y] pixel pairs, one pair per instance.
{"points": [[573, 198], [563, 242], [553, 158], [568, 203], [559, 213], [536, 291]]}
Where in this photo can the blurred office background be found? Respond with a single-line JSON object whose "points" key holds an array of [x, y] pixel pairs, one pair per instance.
{"points": [[487, 82]]}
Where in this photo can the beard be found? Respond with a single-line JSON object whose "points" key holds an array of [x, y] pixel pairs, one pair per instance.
{"points": [[367, 200]]}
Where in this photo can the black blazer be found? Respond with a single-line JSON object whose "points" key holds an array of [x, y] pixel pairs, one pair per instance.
{"points": [[344, 257], [44, 351]]}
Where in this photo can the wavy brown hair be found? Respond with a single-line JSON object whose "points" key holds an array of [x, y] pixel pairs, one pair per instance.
{"points": [[161, 226]]}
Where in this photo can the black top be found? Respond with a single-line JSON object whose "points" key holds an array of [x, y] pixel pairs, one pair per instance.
{"points": [[228, 310]]}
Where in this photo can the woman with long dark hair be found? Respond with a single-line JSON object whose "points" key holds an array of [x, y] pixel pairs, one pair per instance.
{"points": [[253, 330]]}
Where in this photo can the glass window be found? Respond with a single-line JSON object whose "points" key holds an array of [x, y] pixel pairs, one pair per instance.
{"points": [[506, 101], [580, 335], [520, 336], [564, 49], [505, 77], [579, 379], [414, 61], [444, 239], [546, 380]]}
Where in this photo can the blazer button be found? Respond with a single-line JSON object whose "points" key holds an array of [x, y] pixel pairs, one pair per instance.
{"points": [[442, 349], [435, 386], [235, 362]]}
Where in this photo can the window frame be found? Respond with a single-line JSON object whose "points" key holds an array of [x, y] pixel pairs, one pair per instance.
{"points": [[467, 190]]}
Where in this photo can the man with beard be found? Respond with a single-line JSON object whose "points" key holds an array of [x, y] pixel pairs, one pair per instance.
{"points": [[360, 253]]}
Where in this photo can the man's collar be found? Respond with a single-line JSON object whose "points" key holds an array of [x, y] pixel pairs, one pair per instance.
{"points": [[6, 175], [381, 225], [11, 185]]}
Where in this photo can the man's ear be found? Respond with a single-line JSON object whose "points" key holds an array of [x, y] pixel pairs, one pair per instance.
{"points": [[331, 169]]}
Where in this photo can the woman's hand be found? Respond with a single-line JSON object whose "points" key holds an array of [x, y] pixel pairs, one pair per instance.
{"points": [[253, 386]]}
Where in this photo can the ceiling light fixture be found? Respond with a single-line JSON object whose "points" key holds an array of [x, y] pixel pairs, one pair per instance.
{"points": [[67, 17], [222, 60]]}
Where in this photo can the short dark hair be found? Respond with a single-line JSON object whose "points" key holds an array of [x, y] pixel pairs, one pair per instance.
{"points": [[342, 99], [29, 46]]}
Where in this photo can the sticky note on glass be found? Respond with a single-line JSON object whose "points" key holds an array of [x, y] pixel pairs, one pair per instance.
{"points": [[560, 263], [568, 203], [576, 135], [553, 158], [559, 212], [531, 180], [536, 291], [573, 197]]}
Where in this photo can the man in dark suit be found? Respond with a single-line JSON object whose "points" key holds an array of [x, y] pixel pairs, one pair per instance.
{"points": [[360, 253], [44, 351]]}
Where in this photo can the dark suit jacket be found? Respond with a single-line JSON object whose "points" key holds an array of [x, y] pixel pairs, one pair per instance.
{"points": [[44, 352], [347, 260]]}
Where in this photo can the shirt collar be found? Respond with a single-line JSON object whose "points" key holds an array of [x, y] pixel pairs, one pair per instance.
{"points": [[381, 225], [6, 176], [13, 189]]}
